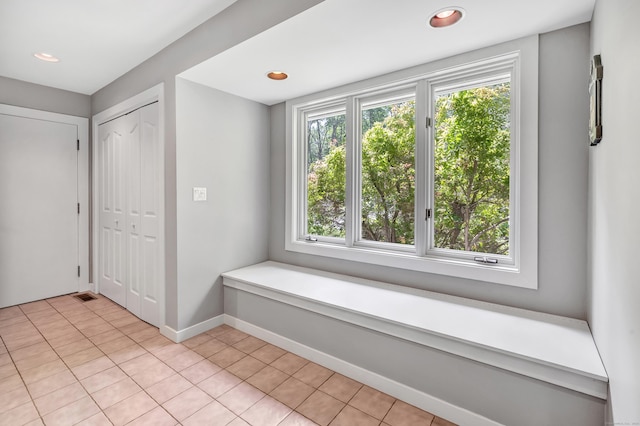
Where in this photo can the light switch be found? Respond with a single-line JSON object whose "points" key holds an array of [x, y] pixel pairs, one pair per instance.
{"points": [[199, 194]]}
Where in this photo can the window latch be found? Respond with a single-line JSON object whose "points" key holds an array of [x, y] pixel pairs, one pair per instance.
{"points": [[310, 239], [486, 260]]}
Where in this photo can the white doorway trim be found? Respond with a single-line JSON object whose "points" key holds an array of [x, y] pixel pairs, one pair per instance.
{"points": [[82, 125], [153, 94]]}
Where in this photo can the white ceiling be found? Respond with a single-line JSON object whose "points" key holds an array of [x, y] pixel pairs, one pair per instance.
{"points": [[333, 43], [342, 41], [96, 40]]}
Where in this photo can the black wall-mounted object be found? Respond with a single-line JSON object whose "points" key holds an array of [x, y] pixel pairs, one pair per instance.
{"points": [[595, 101]]}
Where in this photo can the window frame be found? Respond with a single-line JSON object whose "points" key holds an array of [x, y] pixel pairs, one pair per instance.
{"points": [[491, 75], [327, 109], [521, 56], [379, 98]]}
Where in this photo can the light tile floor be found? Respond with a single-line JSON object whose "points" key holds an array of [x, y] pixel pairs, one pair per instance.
{"points": [[67, 362]]}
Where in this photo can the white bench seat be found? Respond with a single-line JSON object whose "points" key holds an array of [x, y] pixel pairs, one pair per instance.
{"points": [[550, 348]]}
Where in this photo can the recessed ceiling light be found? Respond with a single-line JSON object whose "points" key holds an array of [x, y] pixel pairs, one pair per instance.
{"points": [[446, 17], [277, 75], [46, 57], [445, 14]]}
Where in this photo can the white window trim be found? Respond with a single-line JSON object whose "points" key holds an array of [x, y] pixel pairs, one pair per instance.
{"points": [[525, 198]]}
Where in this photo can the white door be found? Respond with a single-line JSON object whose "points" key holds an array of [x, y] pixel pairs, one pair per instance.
{"points": [[130, 208], [131, 126], [150, 267], [38, 209], [112, 244]]}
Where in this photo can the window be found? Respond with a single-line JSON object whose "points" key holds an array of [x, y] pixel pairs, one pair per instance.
{"points": [[325, 138], [427, 173], [386, 145], [471, 176]]}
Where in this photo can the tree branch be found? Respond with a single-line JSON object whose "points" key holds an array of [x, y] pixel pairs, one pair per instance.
{"points": [[475, 239]]}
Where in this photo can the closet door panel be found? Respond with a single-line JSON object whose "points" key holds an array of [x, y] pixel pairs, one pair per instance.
{"points": [[134, 265], [112, 207], [150, 183]]}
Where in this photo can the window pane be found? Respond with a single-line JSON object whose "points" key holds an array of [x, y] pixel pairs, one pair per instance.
{"points": [[388, 172], [471, 165], [326, 175]]}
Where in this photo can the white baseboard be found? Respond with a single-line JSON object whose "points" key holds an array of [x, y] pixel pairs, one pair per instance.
{"points": [[194, 330], [405, 393]]}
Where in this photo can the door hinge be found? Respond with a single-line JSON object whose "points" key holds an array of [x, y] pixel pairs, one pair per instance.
{"points": [[78, 270], [78, 144], [428, 214], [428, 122], [78, 208]]}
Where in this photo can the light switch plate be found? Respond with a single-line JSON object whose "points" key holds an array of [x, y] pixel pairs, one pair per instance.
{"points": [[199, 194]]}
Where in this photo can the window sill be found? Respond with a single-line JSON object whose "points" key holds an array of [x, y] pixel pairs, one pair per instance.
{"points": [[526, 276]]}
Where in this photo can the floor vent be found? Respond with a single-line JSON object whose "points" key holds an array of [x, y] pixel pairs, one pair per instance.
{"points": [[85, 297]]}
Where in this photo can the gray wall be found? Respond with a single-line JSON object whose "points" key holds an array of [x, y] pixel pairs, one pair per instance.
{"points": [[563, 159], [239, 22], [614, 203], [44, 98], [221, 145]]}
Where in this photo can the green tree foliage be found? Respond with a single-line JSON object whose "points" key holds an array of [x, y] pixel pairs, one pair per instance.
{"points": [[388, 175], [323, 134], [472, 170], [326, 183], [371, 116], [326, 176]]}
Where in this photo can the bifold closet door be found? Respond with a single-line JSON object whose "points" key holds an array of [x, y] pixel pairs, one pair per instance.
{"points": [[38, 209], [130, 194]]}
